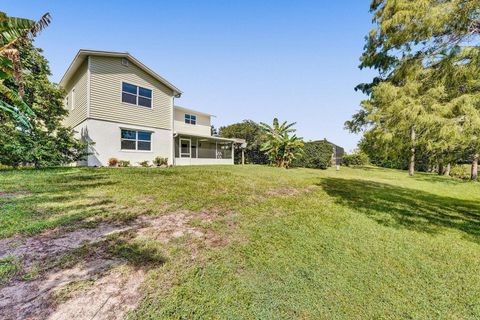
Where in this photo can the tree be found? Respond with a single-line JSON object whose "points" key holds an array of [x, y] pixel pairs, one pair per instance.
{"points": [[424, 45], [14, 31], [253, 135], [281, 147], [46, 142]]}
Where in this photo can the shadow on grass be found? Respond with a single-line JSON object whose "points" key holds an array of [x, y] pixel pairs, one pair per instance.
{"points": [[37, 203], [400, 207]]}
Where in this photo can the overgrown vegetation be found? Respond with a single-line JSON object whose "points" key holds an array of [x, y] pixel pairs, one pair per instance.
{"points": [[253, 135], [34, 135], [423, 108], [280, 146], [316, 155], [356, 159]]}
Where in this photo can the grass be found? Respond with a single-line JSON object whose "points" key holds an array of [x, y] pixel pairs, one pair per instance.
{"points": [[307, 244]]}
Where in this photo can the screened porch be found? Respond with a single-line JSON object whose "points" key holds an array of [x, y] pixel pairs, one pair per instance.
{"points": [[191, 150]]}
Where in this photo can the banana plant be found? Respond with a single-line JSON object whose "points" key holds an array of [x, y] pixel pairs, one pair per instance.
{"points": [[12, 32], [281, 147]]}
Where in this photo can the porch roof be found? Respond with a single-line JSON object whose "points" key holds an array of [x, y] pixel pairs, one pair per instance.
{"points": [[206, 137]]}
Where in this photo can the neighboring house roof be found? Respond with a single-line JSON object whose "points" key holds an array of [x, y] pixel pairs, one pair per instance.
{"points": [[84, 53], [193, 111]]}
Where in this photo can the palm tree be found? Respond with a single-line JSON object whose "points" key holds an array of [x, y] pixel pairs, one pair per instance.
{"points": [[12, 32], [281, 148]]}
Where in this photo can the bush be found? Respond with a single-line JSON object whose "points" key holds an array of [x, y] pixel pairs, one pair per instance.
{"points": [[112, 162], [357, 159], [461, 171], [317, 154], [144, 164], [160, 161], [124, 163]]}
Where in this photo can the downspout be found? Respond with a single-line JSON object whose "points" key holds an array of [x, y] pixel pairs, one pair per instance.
{"points": [[174, 135]]}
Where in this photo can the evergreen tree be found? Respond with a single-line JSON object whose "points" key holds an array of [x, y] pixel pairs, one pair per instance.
{"points": [[425, 58]]}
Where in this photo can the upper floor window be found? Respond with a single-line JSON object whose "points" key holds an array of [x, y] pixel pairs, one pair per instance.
{"points": [[136, 95], [190, 119], [136, 140]]}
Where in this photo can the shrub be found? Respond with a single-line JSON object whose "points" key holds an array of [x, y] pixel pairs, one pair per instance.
{"points": [[160, 161], [461, 171], [144, 164], [112, 162], [124, 163], [357, 159], [317, 154]]}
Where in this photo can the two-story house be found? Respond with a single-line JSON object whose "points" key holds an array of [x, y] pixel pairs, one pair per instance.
{"points": [[124, 110]]}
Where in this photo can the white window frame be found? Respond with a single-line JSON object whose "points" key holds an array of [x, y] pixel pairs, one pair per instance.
{"points": [[137, 95], [136, 140], [190, 119], [189, 148]]}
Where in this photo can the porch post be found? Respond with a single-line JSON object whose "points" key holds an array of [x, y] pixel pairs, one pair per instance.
{"points": [[243, 156]]}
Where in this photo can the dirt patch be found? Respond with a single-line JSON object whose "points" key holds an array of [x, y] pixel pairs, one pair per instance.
{"points": [[113, 293], [12, 194], [110, 297], [33, 299], [287, 191], [54, 243]]}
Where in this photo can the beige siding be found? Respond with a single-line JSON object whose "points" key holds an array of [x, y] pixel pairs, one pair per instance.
{"points": [[201, 128], [106, 103], [78, 111]]}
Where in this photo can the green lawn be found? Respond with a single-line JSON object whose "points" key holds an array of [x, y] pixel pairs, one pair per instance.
{"points": [[359, 243]]}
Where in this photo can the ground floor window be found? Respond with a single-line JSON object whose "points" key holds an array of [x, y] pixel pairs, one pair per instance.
{"points": [[136, 140]]}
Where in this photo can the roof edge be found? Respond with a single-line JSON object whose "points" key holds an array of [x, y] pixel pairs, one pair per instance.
{"points": [[87, 52]]}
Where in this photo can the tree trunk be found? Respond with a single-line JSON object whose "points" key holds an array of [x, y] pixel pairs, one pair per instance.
{"points": [[411, 165], [474, 172], [440, 168], [447, 170]]}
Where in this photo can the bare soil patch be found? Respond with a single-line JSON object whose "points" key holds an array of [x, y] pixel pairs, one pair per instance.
{"points": [[113, 293], [4, 194]]}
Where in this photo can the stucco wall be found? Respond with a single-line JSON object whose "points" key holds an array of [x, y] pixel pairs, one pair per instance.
{"points": [[106, 136]]}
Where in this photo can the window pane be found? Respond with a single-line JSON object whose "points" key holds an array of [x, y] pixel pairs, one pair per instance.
{"points": [[144, 92], [142, 135], [193, 121], [128, 145], [194, 118], [129, 98], [129, 134], [144, 145], [145, 102], [130, 88]]}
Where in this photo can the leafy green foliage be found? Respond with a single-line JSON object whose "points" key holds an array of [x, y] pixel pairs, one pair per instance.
{"points": [[144, 163], [13, 32], [280, 147], [46, 142], [424, 105], [316, 154], [253, 135], [461, 171], [124, 163], [160, 161], [356, 159]]}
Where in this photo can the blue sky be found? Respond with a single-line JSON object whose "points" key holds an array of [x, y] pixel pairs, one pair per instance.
{"points": [[295, 60]]}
